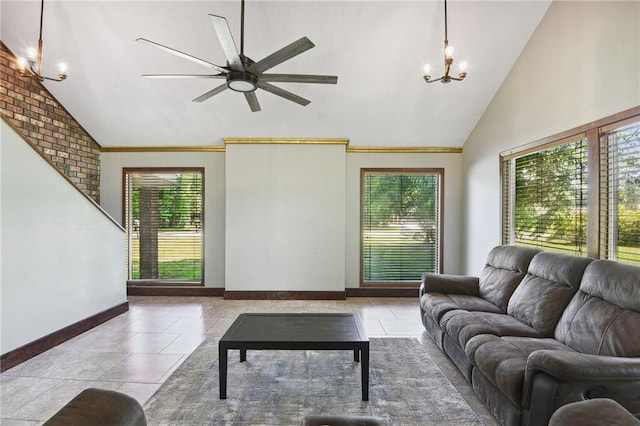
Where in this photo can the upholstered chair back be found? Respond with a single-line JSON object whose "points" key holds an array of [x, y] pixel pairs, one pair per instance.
{"points": [[603, 318], [551, 281], [505, 268]]}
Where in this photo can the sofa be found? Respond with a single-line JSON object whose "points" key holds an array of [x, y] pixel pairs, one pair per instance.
{"points": [[538, 330]]}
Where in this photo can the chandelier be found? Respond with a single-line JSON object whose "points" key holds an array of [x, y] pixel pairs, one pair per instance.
{"points": [[448, 60], [32, 67]]}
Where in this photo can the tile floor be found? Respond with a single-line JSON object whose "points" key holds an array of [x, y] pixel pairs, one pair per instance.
{"points": [[137, 351]]}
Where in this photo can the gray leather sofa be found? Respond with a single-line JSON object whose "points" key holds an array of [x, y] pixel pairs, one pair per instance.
{"points": [[538, 330]]}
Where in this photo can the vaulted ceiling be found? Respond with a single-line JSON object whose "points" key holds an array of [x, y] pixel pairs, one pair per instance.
{"points": [[376, 48]]}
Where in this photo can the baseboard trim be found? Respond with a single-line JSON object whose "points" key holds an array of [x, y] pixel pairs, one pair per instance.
{"points": [[175, 291], [284, 295], [382, 292], [28, 351]]}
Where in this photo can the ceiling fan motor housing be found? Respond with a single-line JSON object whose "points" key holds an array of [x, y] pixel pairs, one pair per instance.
{"points": [[242, 81]]}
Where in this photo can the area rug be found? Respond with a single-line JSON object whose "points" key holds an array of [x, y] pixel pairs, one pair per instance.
{"points": [[281, 387]]}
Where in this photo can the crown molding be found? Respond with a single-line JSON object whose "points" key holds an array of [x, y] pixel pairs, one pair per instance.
{"points": [[210, 148], [286, 141], [405, 150]]}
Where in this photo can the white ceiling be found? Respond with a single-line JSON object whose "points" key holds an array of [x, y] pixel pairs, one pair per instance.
{"points": [[376, 48]]}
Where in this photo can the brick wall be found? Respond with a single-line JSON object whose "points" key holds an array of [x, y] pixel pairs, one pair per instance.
{"points": [[29, 106]]}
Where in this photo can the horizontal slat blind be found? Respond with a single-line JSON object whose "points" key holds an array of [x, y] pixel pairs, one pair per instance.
{"points": [[545, 198], [164, 225], [400, 225], [620, 193]]}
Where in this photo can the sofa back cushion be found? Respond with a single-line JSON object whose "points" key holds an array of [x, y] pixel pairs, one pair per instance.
{"points": [[505, 268], [603, 318], [543, 294]]}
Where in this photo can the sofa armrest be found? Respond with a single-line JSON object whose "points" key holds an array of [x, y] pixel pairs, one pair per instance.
{"points": [[449, 284], [577, 376], [578, 366]]}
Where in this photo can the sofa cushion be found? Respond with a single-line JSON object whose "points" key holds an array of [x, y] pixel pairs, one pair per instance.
{"points": [[551, 280], [505, 268], [502, 360], [603, 318], [437, 304], [463, 325]]}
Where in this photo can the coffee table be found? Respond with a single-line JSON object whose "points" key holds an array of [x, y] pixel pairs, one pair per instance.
{"points": [[296, 332]]}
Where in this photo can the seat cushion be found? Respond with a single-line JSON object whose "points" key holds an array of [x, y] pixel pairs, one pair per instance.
{"points": [[502, 360], [463, 325], [437, 304]]}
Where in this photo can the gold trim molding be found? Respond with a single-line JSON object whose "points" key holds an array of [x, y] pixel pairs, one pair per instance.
{"points": [[210, 148], [281, 141], [285, 141], [405, 150]]}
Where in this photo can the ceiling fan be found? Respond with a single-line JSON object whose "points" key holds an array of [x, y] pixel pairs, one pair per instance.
{"points": [[242, 74]]}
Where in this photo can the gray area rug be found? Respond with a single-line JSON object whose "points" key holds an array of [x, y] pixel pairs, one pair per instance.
{"points": [[281, 387]]}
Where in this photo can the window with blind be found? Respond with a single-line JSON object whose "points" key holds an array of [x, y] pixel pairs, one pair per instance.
{"points": [[163, 219], [620, 191], [401, 222], [545, 197]]}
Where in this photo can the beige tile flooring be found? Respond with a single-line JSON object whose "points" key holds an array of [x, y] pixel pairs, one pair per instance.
{"points": [[137, 351]]}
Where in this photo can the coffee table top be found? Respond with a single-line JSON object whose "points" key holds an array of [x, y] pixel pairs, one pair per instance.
{"points": [[303, 327]]}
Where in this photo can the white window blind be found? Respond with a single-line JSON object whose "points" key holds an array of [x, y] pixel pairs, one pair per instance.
{"points": [[163, 218], [545, 197], [620, 192], [400, 224]]}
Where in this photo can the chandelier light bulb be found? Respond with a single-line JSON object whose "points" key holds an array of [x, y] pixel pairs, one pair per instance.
{"points": [[32, 53], [448, 52], [62, 68], [22, 64], [427, 69], [463, 66]]}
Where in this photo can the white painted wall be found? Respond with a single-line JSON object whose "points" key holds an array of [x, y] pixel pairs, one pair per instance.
{"points": [[63, 259], [111, 198], [269, 182], [581, 64], [285, 219]]}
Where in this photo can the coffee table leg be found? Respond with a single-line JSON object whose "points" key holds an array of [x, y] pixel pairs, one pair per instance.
{"points": [[356, 355], [364, 372], [243, 355], [222, 373]]}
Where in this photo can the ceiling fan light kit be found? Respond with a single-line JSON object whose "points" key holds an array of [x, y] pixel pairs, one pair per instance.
{"points": [[32, 67], [448, 60], [241, 73]]}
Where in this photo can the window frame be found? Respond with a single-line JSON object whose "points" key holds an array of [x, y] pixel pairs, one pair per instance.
{"points": [[592, 132], [163, 282], [440, 173]]}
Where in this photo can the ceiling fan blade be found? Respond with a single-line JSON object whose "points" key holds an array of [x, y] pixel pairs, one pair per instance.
{"points": [[252, 100], [284, 54], [299, 78], [182, 55], [221, 27], [184, 76], [210, 93], [283, 93]]}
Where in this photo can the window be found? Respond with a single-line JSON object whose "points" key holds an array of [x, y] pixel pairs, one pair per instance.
{"points": [[546, 197], [401, 218], [163, 219], [620, 191], [578, 192]]}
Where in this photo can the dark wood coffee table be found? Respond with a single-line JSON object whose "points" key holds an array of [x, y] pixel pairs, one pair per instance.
{"points": [[296, 332]]}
